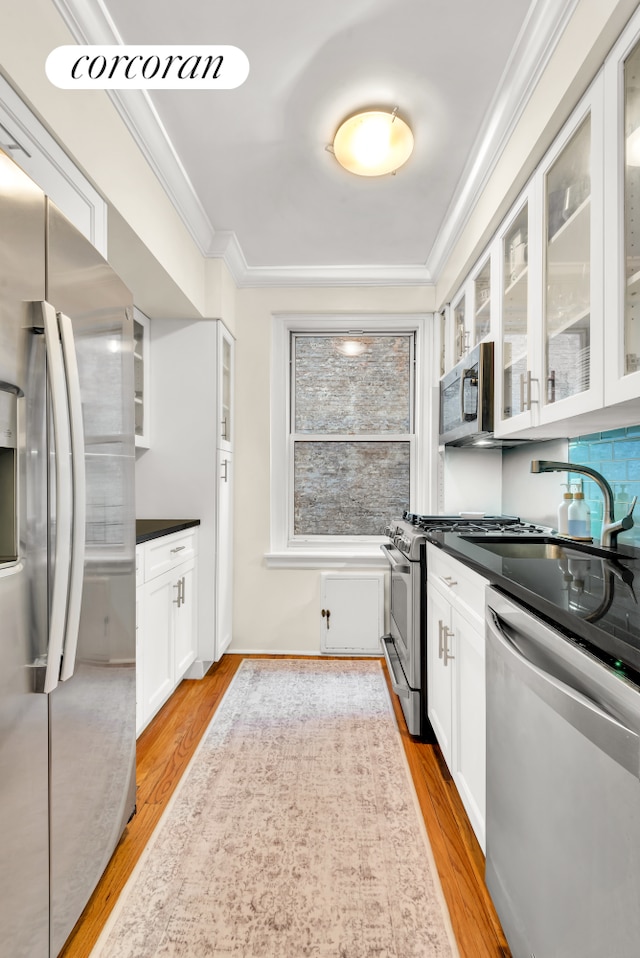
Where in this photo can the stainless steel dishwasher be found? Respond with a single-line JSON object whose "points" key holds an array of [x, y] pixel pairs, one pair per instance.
{"points": [[563, 792]]}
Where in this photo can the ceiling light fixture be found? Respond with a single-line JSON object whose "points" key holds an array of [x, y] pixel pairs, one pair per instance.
{"points": [[373, 143]]}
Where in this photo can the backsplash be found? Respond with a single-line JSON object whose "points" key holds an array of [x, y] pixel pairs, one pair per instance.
{"points": [[616, 455]]}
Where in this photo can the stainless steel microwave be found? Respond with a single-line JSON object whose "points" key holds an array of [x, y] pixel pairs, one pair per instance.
{"points": [[466, 399]]}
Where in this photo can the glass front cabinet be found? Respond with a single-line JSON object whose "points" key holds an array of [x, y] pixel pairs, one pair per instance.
{"points": [[622, 224], [515, 352], [549, 353]]}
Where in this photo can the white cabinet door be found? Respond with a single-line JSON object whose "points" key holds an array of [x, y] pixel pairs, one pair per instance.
{"points": [[469, 748], [185, 619], [622, 207], [353, 607], [142, 378], [224, 553], [226, 347], [139, 658], [160, 595], [439, 675]]}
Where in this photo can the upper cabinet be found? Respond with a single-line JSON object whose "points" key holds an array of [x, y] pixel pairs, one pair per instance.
{"points": [[550, 251], [515, 349], [226, 345], [141, 354], [472, 311], [558, 289], [622, 225], [25, 140], [571, 369]]}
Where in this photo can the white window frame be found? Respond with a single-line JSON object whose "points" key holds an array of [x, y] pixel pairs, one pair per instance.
{"points": [[286, 550]]}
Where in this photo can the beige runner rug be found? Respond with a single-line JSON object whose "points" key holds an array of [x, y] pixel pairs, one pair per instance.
{"points": [[294, 832]]}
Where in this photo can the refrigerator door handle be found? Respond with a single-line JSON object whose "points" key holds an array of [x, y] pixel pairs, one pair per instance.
{"points": [[62, 445], [78, 471]]}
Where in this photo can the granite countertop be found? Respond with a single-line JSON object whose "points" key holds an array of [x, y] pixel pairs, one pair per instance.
{"points": [[153, 528], [591, 599]]}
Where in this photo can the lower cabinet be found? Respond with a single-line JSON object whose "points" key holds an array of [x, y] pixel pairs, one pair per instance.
{"points": [[456, 677], [167, 639]]}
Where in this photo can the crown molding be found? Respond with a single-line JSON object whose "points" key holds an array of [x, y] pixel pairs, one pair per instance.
{"points": [[545, 22], [225, 246], [90, 23]]}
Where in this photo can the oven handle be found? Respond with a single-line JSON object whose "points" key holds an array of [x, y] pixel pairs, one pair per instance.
{"points": [[402, 568], [399, 686]]}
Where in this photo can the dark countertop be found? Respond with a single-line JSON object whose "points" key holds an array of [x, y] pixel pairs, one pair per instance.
{"points": [[591, 599], [153, 528]]}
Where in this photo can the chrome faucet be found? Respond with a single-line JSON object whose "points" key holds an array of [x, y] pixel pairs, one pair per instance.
{"points": [[610, 526]]}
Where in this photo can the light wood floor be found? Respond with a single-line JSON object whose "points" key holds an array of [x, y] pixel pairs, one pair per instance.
{"points": [[167, 744]]}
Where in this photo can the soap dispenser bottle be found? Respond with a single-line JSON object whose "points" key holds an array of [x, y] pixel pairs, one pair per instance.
{"points": [[578, 516], [563, 510]]}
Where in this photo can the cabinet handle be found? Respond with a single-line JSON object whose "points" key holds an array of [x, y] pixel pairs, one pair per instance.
{"points": [[224, 429], [178, 549], [448, 581], [182, 598], [177, 601], [440, 642], [526, 403], [224, 475], [446, 654]]}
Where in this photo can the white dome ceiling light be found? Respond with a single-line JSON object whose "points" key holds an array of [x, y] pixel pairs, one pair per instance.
{"points": [[373, 142]]}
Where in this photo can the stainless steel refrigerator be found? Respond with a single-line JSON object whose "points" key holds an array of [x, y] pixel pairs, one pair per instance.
{"points": [[67, 551]]}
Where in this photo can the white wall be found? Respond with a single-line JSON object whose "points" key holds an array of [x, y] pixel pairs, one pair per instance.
{"points": [[530, 496], [472, 480], [279, 609]]}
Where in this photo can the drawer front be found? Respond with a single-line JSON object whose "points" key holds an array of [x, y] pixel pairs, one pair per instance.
{"points": [[164, 553], [139, 565], [464, 587]]}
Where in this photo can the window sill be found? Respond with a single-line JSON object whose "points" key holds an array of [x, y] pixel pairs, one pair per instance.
{"points": [[326, 559]]}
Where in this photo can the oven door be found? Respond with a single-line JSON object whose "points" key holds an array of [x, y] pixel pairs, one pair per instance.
{"points": [[401, 646]]}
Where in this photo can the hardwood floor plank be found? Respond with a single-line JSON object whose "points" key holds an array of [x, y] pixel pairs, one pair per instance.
{"points": [[165, 749]]}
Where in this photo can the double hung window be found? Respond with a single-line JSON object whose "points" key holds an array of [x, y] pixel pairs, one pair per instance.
{"points": [[351, 431], [344, 422]]}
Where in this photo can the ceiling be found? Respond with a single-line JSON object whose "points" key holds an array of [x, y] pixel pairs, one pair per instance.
{"points": [[248, 169]]}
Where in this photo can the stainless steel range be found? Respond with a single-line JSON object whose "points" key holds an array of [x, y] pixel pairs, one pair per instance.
{"points": [[405, 646]]}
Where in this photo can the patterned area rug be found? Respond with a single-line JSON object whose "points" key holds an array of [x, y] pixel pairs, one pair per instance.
{"points": [[294, 832]]}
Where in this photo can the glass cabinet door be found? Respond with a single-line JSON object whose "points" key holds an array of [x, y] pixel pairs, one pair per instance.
{"points": [[482, 303], [631, 332], [461, 342], [567, 264], [225, 388], [516, 370]]}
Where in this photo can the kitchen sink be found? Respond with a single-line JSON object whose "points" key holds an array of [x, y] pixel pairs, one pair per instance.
{"points": [[537, 547]]}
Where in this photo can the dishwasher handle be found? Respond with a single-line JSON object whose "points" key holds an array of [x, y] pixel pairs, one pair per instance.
{"points": [[622, 744]]}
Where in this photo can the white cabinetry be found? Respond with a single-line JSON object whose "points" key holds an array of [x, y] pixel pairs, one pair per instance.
{"points": [[166, 603], [472, 312], [141, 368], [456, 676], [224, 551], [352, 612], [622, 206], [26, 141], [188, 469], [550, 345], [224, 500]]}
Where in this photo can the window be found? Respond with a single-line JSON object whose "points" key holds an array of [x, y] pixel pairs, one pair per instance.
{"points": [[344, 423]]}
